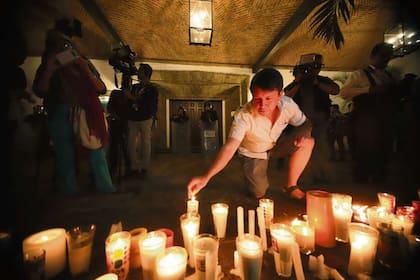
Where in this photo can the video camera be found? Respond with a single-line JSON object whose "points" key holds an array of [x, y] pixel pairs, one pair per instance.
{"points": [[122, 60], [308, 63]]}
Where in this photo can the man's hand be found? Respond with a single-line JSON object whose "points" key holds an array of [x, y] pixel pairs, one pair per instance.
{"points": [[195, 185]]}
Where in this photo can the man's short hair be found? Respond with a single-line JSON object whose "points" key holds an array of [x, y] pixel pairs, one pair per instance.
{"points": [[267, 79], [146, 68]]}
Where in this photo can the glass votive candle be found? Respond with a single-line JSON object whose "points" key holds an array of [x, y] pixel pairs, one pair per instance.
{"points": [[341, 200], [137, 235], [190, 225], [268, 207], [206, 248], [250, 256], [378, 216], [117, 251], [220, 213], [363, 246], [283, 240], [387, 201], [342, 216], [150, 247], [305, 236], [171, 264]]}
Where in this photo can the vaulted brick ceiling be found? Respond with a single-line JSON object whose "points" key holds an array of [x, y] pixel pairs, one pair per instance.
{"points": [[246, 33]]}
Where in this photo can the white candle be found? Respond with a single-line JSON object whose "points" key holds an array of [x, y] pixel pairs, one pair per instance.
{"points": [[108, 276], [379, 215], [261, 226], [192, 205], [305, 237], [117, 251], [250, 256], [297, 262], [282, 239], [172, 263], [53, 241], [268, 207], [342, 216], [251, 222], [363, 245], [220, 214], [150, 247], [190, 224], [404, 224], [240, 217], [206, 248], [387, 201]]}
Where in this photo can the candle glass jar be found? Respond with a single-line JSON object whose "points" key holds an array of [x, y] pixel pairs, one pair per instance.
{"points": [[283, 240], [79, 248], [268, 209], [117, 250], [219, 212], [190, 226], [206, 249], [34, 264], [171, 264], [150, 247], [137, 235], [250, 255], [387, 201]]}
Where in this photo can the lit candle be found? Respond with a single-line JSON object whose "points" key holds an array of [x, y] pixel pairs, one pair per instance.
{"points": [[342, 200], [190, 224], [268, 207], [363, 245], [321, 217], [150, 247], [206, 248], [192, 205], [108, 276], [137, 235], [378, 216], [240, 217], [117, 251], [220, 214], [53, 241], [79, 248], [282, 239], [169, 236], [305, 236], [342, 216], [404, 224], [387, 201], [172, 263], [250, 256]]}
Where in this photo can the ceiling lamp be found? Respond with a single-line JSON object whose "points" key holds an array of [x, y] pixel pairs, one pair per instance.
{"points": [[201, 22]]}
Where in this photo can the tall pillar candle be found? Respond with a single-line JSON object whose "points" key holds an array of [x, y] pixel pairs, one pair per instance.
{"points": [[53, 241], [240, 218], [320, 215]]}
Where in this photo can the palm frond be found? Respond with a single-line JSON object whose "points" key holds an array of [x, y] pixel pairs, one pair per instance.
{"points": [[324, 22]]}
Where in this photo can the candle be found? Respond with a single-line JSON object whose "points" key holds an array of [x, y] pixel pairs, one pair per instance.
{"points": [[206, 248], [79, 247], [342, 216], [108, 276], [268, 207], [387, 201], [137, 235], [261, 226], [363, 245], [53, 241], [220, 213], [240, 217], [169, 236], [190, 225], [404, 224], [321, 217], [171, 264], [192, 205], [282, 239], [150, 247], [379, 216], [117, 252], [251, 222], [250, 256], [341, 200], [305, 236], [297, 262]]}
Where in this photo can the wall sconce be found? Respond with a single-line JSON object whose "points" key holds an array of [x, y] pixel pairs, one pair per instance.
{"points": [[201, 22]]}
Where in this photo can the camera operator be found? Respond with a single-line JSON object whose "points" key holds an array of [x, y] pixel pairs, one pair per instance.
{"points": [[311, 92], [141, 115]]}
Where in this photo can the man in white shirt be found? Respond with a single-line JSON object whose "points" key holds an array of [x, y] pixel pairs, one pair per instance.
{"points": [[254, 133]]}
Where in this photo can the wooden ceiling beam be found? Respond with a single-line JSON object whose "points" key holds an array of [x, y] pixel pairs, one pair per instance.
{"points": [[294, 21], [101, 20]]}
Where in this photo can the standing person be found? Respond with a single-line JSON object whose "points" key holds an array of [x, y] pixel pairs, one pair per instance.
{"points": [[374, 94], [141, 114], [66, 80], [117, 118], [311, 93], [254, 132]]}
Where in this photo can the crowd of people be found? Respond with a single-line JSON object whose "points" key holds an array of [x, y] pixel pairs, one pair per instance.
{"points": [[298, 122]]}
